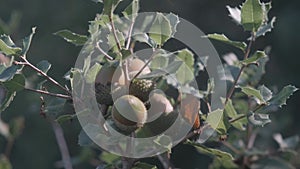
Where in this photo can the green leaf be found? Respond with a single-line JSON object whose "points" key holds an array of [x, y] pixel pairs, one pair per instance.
{"points": [[271, 163], [252, 15], [92, 73], [76, 39], [224, 39], [252, 74], [265, 28], [164, 141], [8, 50], [140, 165], [281, 98], [174, 21], [8, 73], [112, 42], [110, 6], [186, 71], [255, 93], [161, 29], [16, 84], [232, 114], [235, 14], [63, 118], [225, 159], [84, 139], [254, 58], [170, 69], [109, 158], [216, 120], [44, 66], [6, 98], [27, 42], [132, 10], [259, 119], [54, 105], [265, 92], [4, 162], [160, 60], [143, 38]]}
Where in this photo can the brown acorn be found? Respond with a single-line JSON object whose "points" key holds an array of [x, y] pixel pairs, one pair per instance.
{"points": [[159, 104], [135, 65], [129, 113]]}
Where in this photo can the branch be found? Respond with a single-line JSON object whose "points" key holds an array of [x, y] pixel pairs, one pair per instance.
{"points": [[146, 64], [130, 34], [27, 63], [115, 33], [230, 93], [62, 144], [165, 160], [48, 93], [104, 53]]}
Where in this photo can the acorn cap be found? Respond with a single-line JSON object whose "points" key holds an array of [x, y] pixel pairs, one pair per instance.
{"points": [[103, 95], [129, 111], [141, 88]]}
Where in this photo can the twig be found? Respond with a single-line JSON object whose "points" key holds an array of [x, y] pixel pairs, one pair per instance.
{"points": [[9, 146], [146, 64], [237, 119], [165, 160], [27, 63], [62, 144], [130, 34], [127, 163], [228, 145], [104, 53], [252, 138], [115, 33], [230, 93], [48, 93]]}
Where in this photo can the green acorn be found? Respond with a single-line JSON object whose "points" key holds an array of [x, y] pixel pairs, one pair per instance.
{"points": [[141, 88], [103, 94], [129, 113]]}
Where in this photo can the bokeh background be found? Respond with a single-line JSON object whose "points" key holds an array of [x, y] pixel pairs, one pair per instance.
{"points": [[36, 147]]}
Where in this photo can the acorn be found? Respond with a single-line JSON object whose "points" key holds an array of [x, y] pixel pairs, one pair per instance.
{"points": [[129, 113], [159, 104], [135, 65], [141, 88], [109, 74]]}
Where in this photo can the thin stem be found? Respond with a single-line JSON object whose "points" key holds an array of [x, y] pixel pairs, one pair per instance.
{"points": [[104, 53], [26, 62], [230, 93], [146, 64], [115, 33], [62, 144], [48, 93], [9, 146], [165, 160], [232, 148], [130, 34], [237, 119]]}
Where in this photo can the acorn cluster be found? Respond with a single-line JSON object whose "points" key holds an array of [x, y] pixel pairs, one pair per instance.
{"points": [[133, 101]]}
